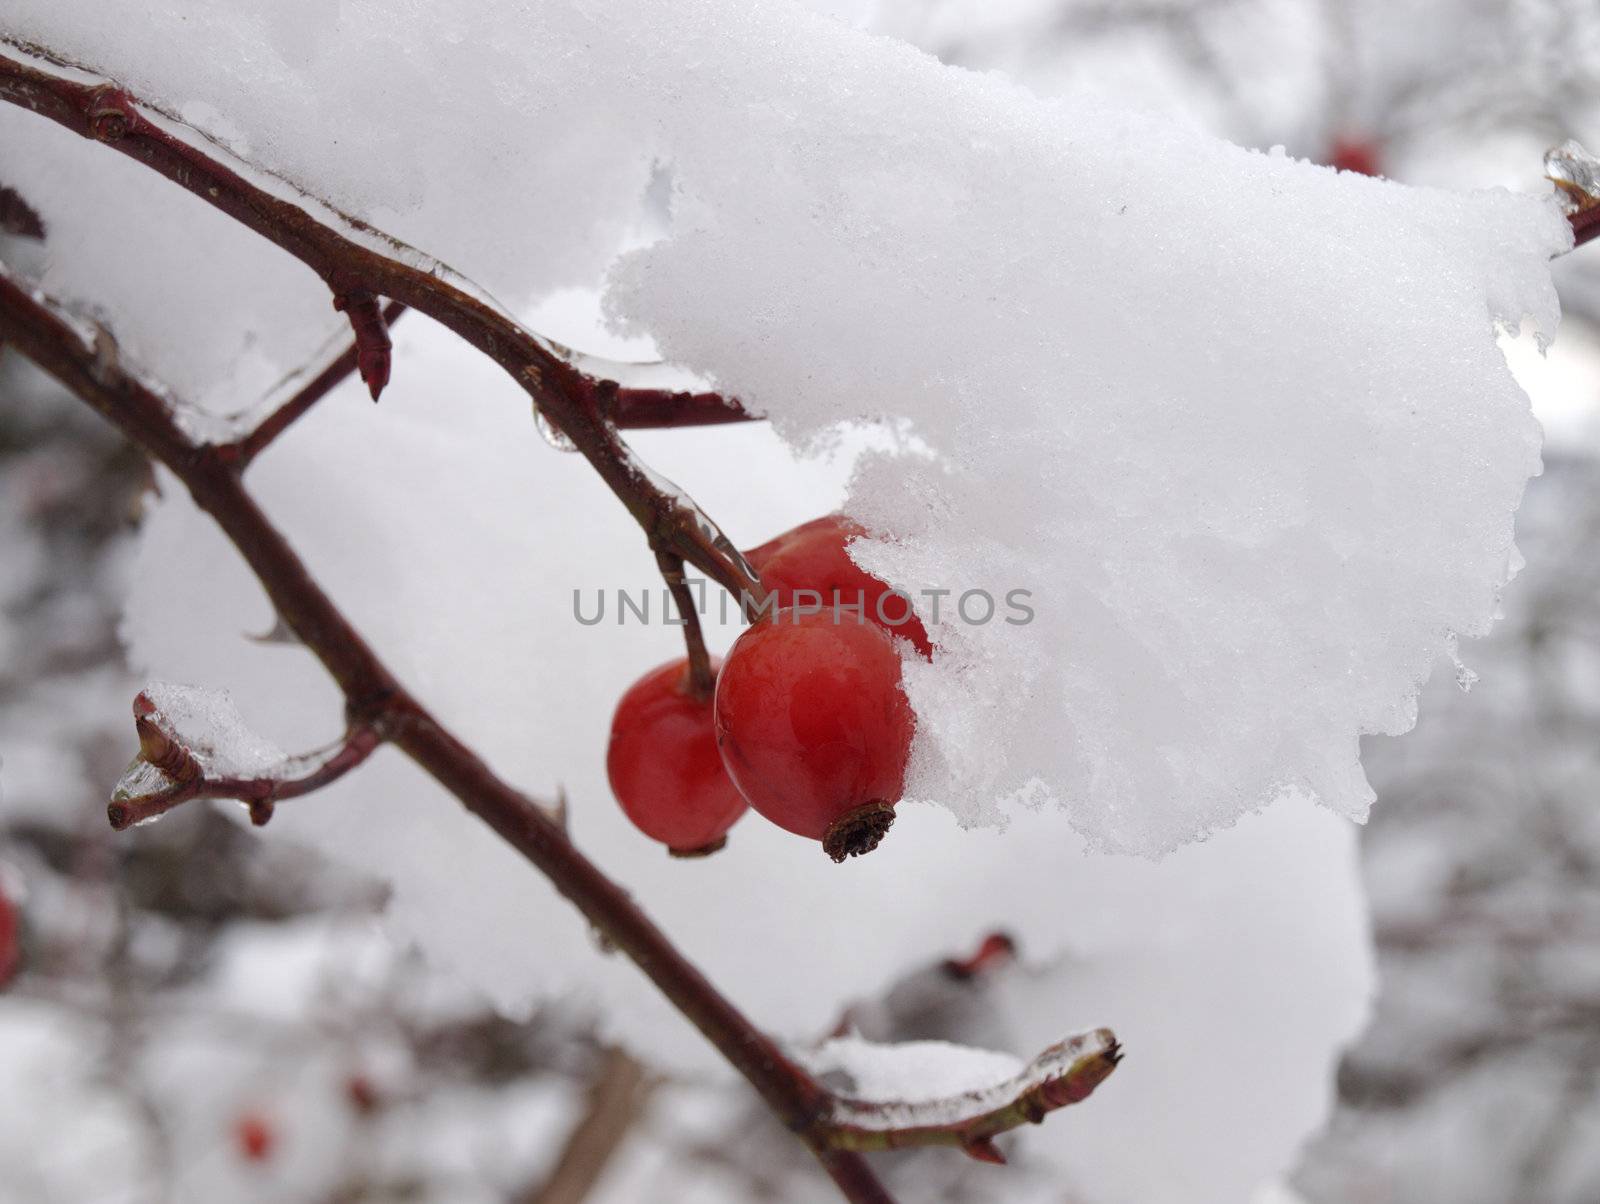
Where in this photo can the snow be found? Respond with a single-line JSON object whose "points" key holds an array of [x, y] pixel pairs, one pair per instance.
{"points": [[922, 1083], [207, 723], [908, 1071]]}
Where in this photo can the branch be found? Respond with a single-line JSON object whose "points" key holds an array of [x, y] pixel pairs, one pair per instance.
{"points": [[174, 767], [351, 255], [314, 390], [616, 1098], [82, 357], [1066, 1073]]}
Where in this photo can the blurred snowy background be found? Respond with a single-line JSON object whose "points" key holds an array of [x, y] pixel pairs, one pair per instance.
{"points": [[194, 1011]]}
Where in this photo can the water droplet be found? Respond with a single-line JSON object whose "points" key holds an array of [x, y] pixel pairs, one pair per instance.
{"points": [[549, 433], [1576, 172]]}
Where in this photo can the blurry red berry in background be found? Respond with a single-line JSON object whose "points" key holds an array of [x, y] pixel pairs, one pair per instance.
{"points": [[255, 1137], [361, 1095], [664, 766], [812, 556], [10, 939], [814, 727], [1359, 155]]}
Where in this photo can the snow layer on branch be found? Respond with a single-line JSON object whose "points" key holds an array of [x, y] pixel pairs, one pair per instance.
{"points": [[1236, 423], [207, 723], [218, 318], [907, 1071]]}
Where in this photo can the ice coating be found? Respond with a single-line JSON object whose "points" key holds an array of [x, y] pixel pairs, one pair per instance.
{"points": [[916, 1083], [208, 724]]}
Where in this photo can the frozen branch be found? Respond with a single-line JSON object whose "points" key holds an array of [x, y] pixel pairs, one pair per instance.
{"points": [[1066, 1073], [177, 763]]}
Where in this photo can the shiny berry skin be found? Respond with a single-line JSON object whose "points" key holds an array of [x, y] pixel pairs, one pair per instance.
{"points": [[813, 557], [254, 1136], [664, 766], [814, 727]]}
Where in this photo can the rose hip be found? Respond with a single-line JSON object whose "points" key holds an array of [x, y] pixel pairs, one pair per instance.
{"points": [[814, 727], [664, 766]]}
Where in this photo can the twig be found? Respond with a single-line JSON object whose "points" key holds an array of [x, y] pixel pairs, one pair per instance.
{"points": [[313, 391], [186, 776], [618, 1095], [80, 357], [701, 678], [638, 409], [1064, 1074]]}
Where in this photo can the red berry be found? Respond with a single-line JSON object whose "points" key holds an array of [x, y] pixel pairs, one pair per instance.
{"points": [[664, 766], [814, 727], [1354, 154], [255, 1136], [813, 557]]}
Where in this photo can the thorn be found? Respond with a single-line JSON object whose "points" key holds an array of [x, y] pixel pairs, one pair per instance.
{"points": [[372, 336], [18, 217], [983, 1149], [278, 633]]}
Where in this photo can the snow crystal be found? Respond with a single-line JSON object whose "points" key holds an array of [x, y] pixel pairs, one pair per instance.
{"points": [[209, 725]]}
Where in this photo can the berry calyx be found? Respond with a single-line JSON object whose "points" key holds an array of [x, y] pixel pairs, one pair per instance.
{"points": [[814, 728], [664, 766], [813, 557]]}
